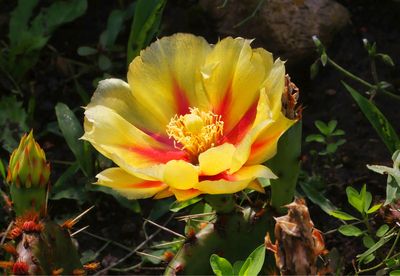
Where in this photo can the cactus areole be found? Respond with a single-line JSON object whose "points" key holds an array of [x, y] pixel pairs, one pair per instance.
{"points": [[28, 175]]}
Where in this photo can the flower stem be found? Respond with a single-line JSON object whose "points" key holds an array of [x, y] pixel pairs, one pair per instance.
{"points": [[360, 80]]}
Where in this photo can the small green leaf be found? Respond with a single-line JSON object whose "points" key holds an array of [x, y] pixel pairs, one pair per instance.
{"points": [[145, 25], [317, 198], [72, 130], [369, 258], [324, 59], [338, 132], [2, 169], [381, 125], [220, 266], [350, 230], [331, 148], [104, 62], [179, 205], [332, 125], [382, 230], [322, 127], [394, 273], [386, 59], [86, 51], [342, 215], [374, 208], [368, 241], [237, 266], [254, 263], [375, 247], [315, 138], [354, 198], [314, 69]]}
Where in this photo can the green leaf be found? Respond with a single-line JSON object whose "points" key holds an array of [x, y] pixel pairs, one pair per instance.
{"points": [[386, 59], [72, 130], [324, 58], [381, 125], [57, 14], [86, 51], [254, 263], [369, 258], [2, 170], [179, 205], [332, 125], [160, 208], [338, 132], [220, 266], [315, 138], [350, 230], [322, 127], [374, 208], [382, 230], [237, 266], [355, 199], [374, 248], [104, 63], [394, 273], [114, 25], [317, 198], [314, 69], [144, 26], [331, 148], [342, 215], [368, 241]]}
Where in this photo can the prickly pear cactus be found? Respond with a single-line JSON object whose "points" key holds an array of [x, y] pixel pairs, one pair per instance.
{"points": [[36, 244], [233, 235], [28, 176]]}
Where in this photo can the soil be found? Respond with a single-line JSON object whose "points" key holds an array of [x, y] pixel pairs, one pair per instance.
{"points": [[323, 98]]}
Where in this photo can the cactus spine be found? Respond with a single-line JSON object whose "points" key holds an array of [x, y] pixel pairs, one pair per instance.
{"points": [[36, 244]]}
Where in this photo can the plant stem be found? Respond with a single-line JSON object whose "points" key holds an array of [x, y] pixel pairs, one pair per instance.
{"points": [[387, 256], [360, 80]]}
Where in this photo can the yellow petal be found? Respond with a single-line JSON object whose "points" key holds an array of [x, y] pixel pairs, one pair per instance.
{"points": [[116, 94], [233, 74], [163, 194], [262, 120], [179, 174], [265, 146], [235, 182], [256, 186], [275, 85], [128, 185], [166, 77], [114, 137], [182, 195], [216, 159]]}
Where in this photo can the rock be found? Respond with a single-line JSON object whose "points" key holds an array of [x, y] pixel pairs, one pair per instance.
{"points": [[284, 27]]}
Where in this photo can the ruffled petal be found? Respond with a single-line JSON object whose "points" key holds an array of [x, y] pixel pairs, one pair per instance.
{"points": [[216, 159], [116, 94], [179, 174], [128, 185], [274, 86], [113, 136], [182, 195], [232, 75], [265, 146], [166, 77], [235, 182]]}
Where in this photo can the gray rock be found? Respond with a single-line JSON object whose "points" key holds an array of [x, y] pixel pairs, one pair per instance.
{"points": [[284, 27]]}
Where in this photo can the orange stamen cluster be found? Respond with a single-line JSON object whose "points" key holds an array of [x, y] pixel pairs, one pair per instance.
{"points": [[196, 131]]}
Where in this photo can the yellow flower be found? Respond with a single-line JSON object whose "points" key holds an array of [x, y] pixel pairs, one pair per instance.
{"points": [[193, 119]]}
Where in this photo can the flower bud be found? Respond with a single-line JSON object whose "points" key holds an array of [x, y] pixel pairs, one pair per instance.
{"points": [[28, 166], [28, 174]]}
